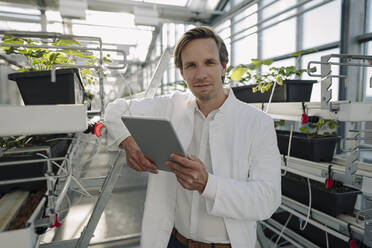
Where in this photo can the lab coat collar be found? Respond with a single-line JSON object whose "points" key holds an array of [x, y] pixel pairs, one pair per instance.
{"points": [[224, 107]]}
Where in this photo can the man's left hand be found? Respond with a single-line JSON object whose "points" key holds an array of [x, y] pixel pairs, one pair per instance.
{"points": [[190, 172]]}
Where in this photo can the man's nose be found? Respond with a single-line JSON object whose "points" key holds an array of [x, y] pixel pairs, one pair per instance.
{"points": [[201, 72]]}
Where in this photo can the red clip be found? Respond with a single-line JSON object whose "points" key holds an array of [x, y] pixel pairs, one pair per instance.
{"points": [[352, 243], [97, 129], [56, 223], [328, 183], [304, 119]]}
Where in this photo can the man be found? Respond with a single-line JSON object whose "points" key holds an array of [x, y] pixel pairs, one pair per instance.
{"points": [[231, 177]]}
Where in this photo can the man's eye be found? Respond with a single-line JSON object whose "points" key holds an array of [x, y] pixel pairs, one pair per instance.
{"points": [[190, 65], [210, 62]]}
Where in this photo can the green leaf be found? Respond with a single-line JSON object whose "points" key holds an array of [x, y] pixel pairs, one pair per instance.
{"points": [[267, 61], [302, 52], [65, 43], [305, 130], [237, 74]]}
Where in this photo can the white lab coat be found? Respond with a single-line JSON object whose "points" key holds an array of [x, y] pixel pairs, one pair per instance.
{"points": [[245, 161]]}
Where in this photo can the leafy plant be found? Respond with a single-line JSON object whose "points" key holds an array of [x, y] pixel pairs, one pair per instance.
{"points": [[321, 128], [24, 141], [39, 59], [250, 73], [279, 123]]}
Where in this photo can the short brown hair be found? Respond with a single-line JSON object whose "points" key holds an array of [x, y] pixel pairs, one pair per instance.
{"points": [[201, 32]]}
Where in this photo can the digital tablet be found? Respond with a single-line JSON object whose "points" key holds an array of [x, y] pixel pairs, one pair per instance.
{"points": [[156, 138]]}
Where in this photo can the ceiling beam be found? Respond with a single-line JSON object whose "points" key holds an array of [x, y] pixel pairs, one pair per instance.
{"points": [[166, 12]]}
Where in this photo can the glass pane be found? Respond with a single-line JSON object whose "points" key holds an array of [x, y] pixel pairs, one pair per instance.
{"points": [[368, 77], [279, 63], [20, 26], [280, 38], [224, 31], [322, 25], [165, 36], [244, 50], [369, 17], [315, 95], [172, 35]]}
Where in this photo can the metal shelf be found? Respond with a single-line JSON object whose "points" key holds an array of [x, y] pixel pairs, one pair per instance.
{"points": [[341, 110], [42, 119], [319, 171]]}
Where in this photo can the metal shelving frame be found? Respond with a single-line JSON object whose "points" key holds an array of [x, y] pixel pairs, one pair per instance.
{"points": [[114, 170], [347, 170]]}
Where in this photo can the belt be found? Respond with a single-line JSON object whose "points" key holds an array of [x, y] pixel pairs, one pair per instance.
{"points": [[189, 243]]}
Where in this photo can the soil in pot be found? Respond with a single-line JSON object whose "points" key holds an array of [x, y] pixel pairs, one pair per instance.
{"points": [[26, 210]]}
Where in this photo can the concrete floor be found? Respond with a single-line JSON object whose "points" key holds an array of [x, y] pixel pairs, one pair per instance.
{"points": [[122, 216]]}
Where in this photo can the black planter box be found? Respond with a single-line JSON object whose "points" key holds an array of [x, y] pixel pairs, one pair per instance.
{"points": [[311, 233], [334, 201], [22, 171], [36, 88], [290, 91], [58, 148], [311, 148]]}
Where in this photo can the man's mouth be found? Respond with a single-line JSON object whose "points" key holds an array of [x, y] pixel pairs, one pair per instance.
{"points": [[201, 85]]}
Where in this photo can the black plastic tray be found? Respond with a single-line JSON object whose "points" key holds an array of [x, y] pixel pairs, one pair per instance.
{"points": [[311, 233], [30, 170], [291, 91], [315, 149], [36, 88], [331, 203], [22, 171]]}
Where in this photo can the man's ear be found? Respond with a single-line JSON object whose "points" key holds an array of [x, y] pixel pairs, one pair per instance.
{"points": [[223, 69]]}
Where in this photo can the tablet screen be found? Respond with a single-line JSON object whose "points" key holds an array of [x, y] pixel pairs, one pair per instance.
{"points": [[156, 138]]}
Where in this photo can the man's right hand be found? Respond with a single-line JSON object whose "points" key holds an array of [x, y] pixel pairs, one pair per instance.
{"points": [[135, 157]]}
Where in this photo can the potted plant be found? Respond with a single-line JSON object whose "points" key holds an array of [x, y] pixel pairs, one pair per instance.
{"points": [[315, 142], [34, 80], [258, 85]]}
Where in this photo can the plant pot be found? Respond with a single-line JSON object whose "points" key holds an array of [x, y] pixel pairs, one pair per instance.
{"points": [[310, 148], [334, 201], [22, 171], [311, 233], [291, 91], [36, 88], [25, 237]]}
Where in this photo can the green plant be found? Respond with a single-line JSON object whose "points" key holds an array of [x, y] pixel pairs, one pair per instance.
{"points": [[39, 59], [252, 73], [279, 123], [321, 128], [25, 141]]}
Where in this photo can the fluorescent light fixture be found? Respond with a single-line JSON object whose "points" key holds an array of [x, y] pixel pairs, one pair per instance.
{"points": [[74, 9]]}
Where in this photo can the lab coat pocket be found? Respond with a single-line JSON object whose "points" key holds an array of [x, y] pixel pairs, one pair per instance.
{"points": [[242, 172]]}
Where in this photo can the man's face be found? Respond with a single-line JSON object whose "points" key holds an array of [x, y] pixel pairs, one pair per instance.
{"points": [[202, 69]]}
